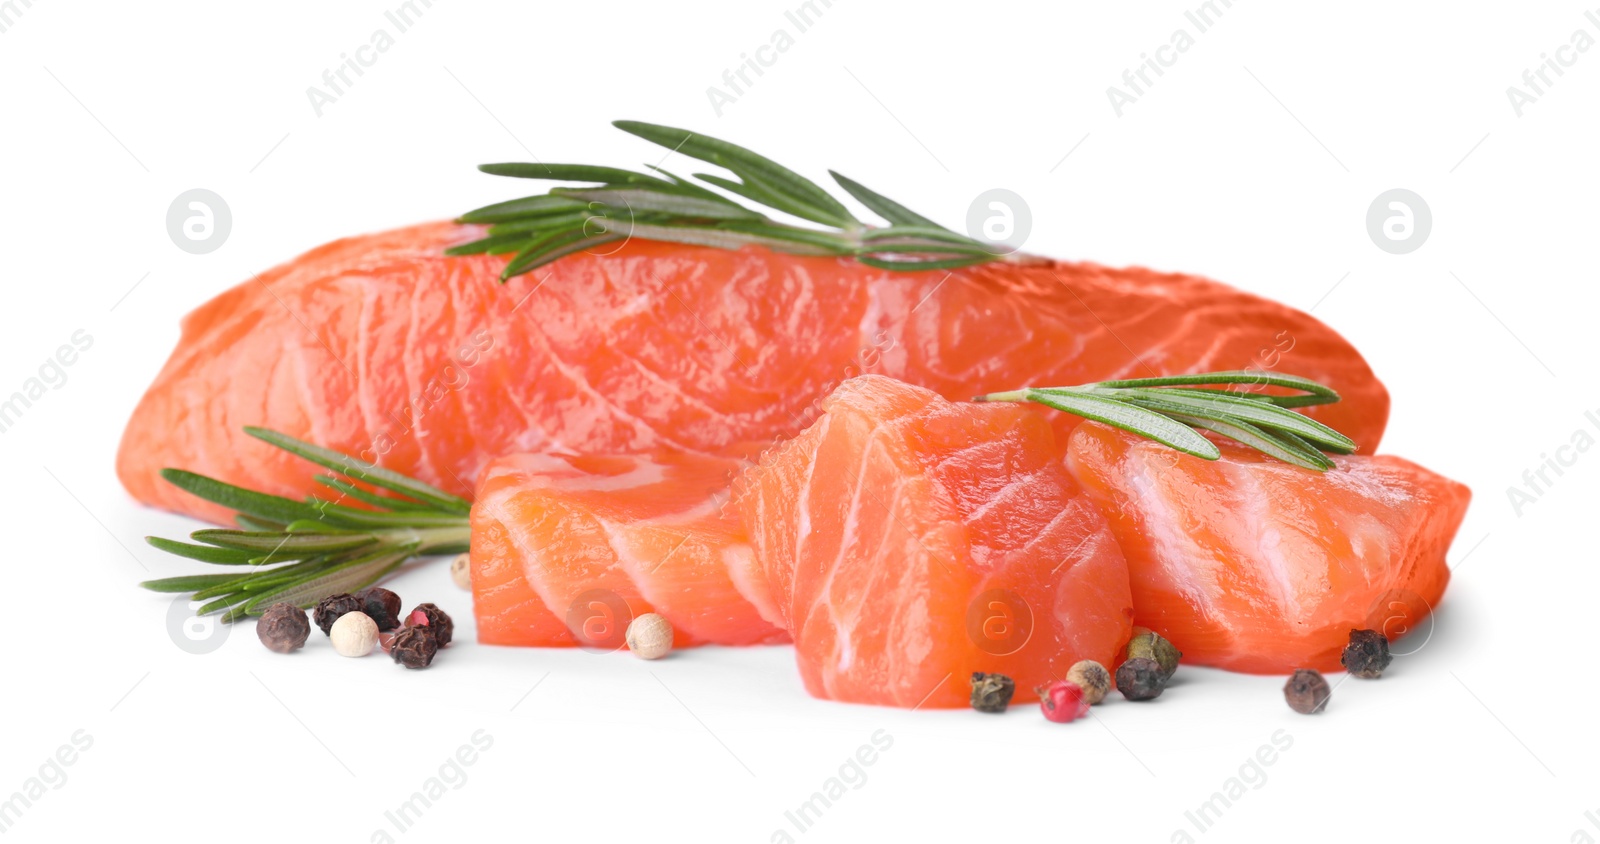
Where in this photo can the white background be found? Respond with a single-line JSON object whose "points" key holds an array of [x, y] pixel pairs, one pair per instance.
{"points": [[1252, 160]]}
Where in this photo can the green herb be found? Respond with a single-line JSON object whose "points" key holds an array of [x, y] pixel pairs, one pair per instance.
{"points": [[1169, 410], [302, 551], [624, 204]]}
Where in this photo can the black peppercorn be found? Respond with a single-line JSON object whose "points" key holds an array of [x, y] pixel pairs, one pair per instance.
{"points": [[381, 605], [1306, 692], [413, 647], [439, 623], [283, 627], [991, 692], [1367, 654], [1141, 678], [330, 608]]}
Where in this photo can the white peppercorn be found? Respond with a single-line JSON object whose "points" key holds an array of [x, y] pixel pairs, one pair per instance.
{"points": [[354, 634], [650, 636]]}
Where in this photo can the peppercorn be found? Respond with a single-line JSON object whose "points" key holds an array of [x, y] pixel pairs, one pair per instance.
{"points": [[649, 636], [436, 621], [354, 634], [283, 627], [1141, 678], [1149, 644], [461, 570], [381, 605], [1306, 692], [1367, 655], [1062, 701], [330, 608], [1092, 677], [992, 692], [413, 647]]}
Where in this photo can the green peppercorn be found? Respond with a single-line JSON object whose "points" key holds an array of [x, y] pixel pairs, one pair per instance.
{"points": [[1148, 644], [992, 692]]}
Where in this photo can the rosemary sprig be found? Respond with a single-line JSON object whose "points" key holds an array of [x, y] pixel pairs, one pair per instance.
{"points": [[1173, 410], [303, 551], [621, 204]]}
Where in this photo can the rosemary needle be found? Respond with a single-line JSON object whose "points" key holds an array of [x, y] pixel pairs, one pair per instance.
{"points": [[1173, 410]]}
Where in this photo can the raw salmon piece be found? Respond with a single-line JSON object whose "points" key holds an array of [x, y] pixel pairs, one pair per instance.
{"points": [[567, 550], [507, 609], [911, 541], [1254, 565], [382, 346]]}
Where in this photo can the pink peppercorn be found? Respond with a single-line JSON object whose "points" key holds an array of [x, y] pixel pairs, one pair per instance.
{"points": [[1062, 701]]}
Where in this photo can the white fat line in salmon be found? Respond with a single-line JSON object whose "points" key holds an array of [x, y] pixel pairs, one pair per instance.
{"points": [[450, 776], [1252, 775], [1138, 80], [852, 775], [450, 377]]}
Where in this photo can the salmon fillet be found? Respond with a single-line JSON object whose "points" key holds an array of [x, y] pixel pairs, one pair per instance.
{"points": [[566, 550], [911, 541], [382, 346], [1254, 565]]}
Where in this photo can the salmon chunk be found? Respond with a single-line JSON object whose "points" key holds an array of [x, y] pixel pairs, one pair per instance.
{"points": [[910, 541], [1254, 565]]}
